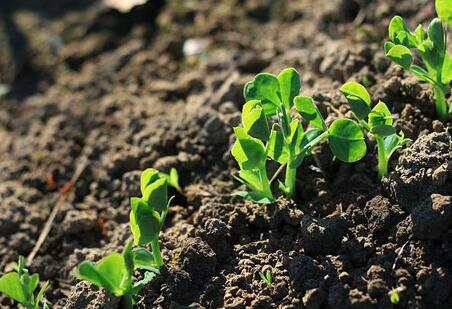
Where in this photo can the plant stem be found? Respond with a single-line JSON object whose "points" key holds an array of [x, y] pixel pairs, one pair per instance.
{"points": [[156, 253], [382, 161], [127, 301], [440, 102], [266, 190], [291, 175]]}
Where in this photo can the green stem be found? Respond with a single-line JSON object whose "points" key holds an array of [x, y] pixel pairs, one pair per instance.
{"points": [[266, 190], [127, 301], [382, 161], [291, 175], [156, 253], [440, 102]]}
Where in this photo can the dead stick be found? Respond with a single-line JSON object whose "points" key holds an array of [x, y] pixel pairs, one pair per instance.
{"points": [[64, 192], [280, 169]]}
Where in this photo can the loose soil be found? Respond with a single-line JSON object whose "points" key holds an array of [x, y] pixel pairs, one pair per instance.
{"points": [[116, 89]]}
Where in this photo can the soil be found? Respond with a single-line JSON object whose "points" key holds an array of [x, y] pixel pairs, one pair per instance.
{"points": [[119, 89]]}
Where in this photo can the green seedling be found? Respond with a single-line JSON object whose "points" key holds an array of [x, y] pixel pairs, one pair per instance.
{"points": [[378, 121], [394, 297], [269, 130], [267, 278], [20, 286], [114, 272], [432, 49], [149, 212]]}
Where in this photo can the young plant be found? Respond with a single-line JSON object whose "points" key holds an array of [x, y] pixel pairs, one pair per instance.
{"points": [[114, 272], [270, 130], [267, 278], [379, 123], [432, 49], [149, 212], [20, 286], [394, 297]]}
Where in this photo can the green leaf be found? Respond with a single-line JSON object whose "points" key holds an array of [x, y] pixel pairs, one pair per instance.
{"points": [[143, 259], [289, 84], [254, 196], [382, 130], [148, 176], [420, 34], [172, 178], [400, 55], [393, 142], [112, 269], [346, 140], [156, 194], [446, 74], [248, 151], [264, 87], [395, 299], [254, 120], [358, 97], [380, 115], [400, 34], [444, 10], [29, 284], [388, 45], [251, 179], [138, 286], [276, 147], [41, 295], [145, 227], [437, 36], [296, 135], [129, 265], [11, 286], [310, 112]]}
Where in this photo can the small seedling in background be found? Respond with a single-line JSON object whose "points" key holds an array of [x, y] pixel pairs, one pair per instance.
{"points": [[149, 212], [20, 286], [432, 48], [269, 130], [267, 278], [394, 297], [379, 123], [114, 272]]}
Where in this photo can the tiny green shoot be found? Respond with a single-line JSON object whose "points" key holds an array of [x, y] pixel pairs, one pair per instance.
{"points": [[270, 130], [20, 286], [114, 272], [267, 278], [432, 49], [394, 297], [379, 123], [149, 211]]}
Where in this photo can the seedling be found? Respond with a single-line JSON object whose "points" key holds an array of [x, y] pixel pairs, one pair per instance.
{"points": [[394, 297], [267, 278], [379, 123], [149, 212], [432, 49], [114, 272], [20, 286], [269, 130]]}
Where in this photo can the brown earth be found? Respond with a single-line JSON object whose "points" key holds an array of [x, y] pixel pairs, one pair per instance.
{"points": [[90, 83]]}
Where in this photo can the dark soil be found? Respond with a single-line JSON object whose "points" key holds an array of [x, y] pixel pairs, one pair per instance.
{"points": [[88, 82]]}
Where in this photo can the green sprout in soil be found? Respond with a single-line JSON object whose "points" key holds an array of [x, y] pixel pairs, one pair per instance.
{"points": [[114, 272], [432, 49], [394, 297], [149, 212], [269, 129], [20, 286], [172, 179], [267, 278], [379, 123]]}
